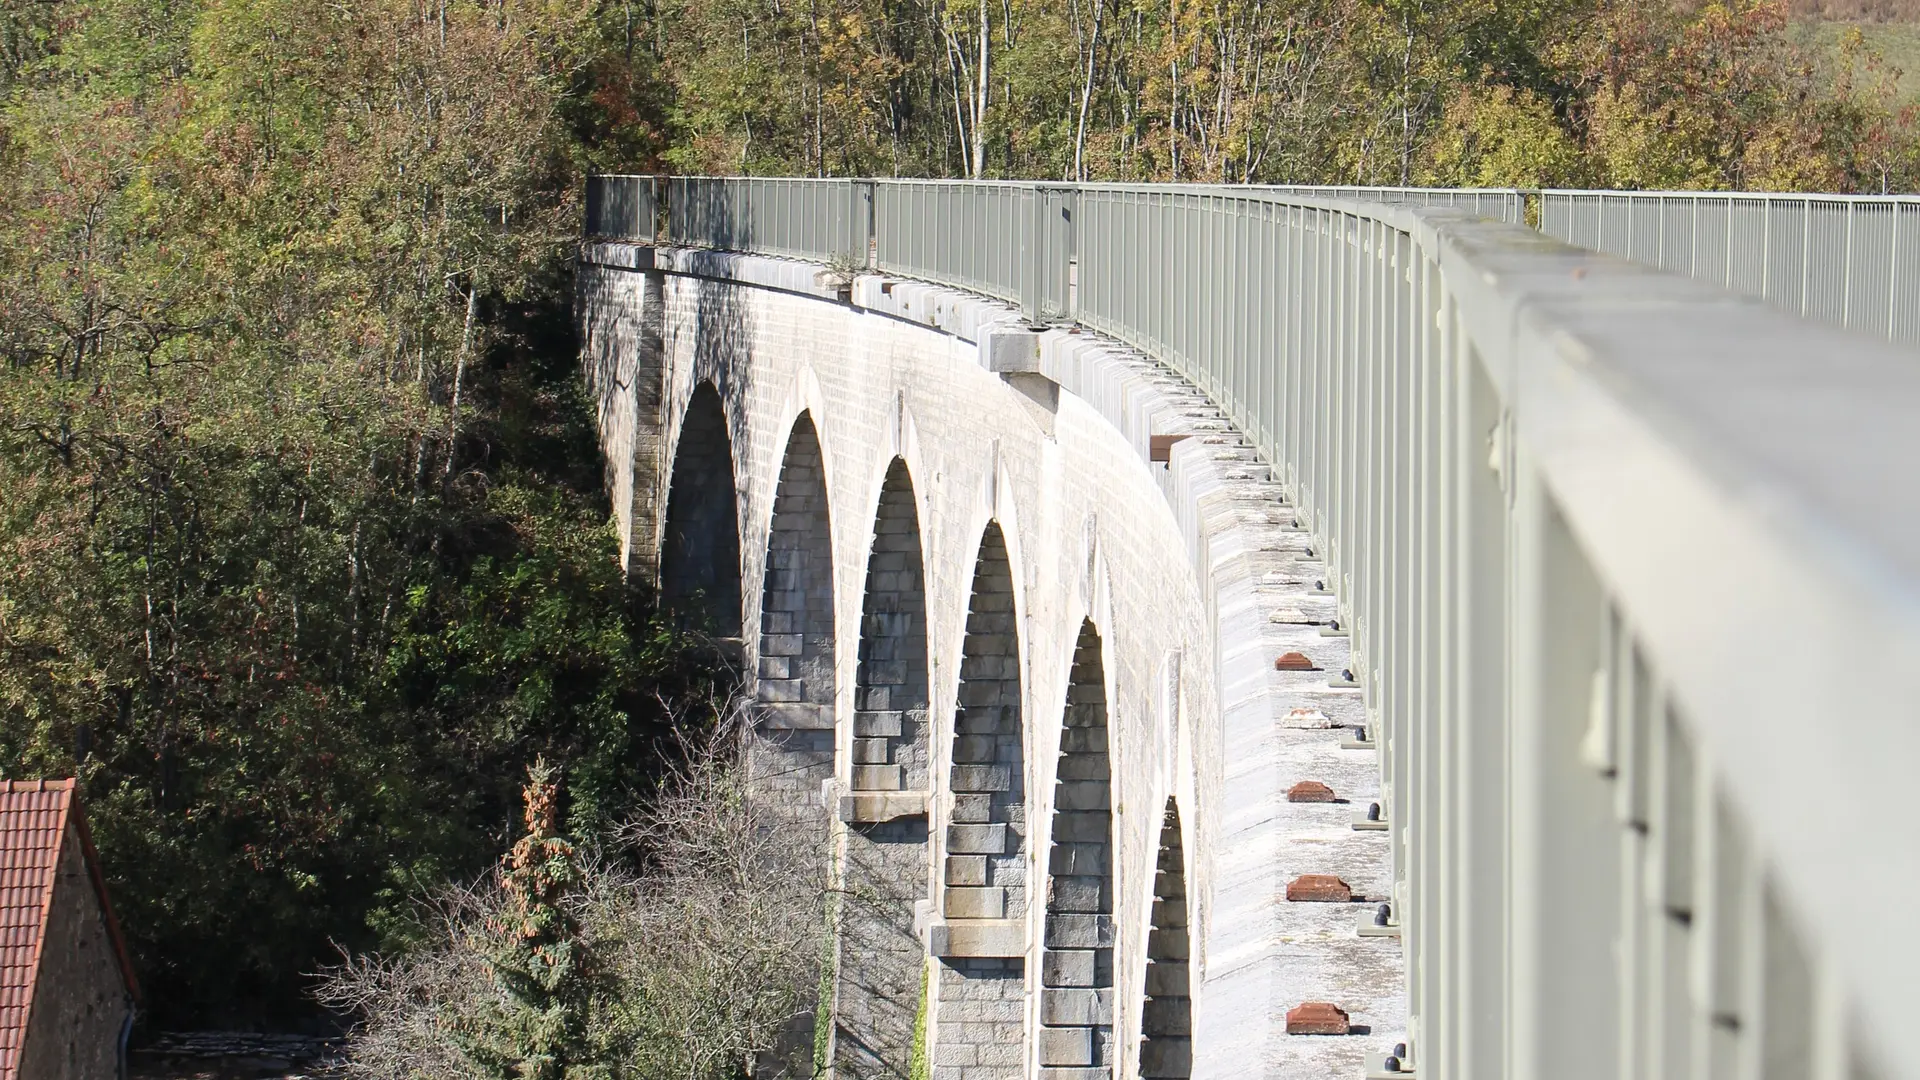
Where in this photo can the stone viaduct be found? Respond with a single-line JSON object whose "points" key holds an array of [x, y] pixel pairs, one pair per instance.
{"points": [[1014, 600]]}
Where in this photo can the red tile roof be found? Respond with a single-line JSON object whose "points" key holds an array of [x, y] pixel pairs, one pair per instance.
{"points": [[34, 815]]}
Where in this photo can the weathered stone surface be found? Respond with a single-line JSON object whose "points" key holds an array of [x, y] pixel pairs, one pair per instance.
{"points": [[869, 808], [899, 374]]}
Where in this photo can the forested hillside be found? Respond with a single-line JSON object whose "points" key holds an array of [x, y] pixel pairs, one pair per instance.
{"points": [[1611, 93], [303, 553]]}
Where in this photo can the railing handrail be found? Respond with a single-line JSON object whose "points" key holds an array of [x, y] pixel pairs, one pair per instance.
{"points": [[1722, 489]]}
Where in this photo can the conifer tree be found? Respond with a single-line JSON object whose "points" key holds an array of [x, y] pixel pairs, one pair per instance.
{"points": [[544, 968]]}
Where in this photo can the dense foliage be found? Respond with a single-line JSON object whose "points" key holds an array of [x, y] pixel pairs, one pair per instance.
{"points": [[1608, 93], [303, 554], [693, 956]]}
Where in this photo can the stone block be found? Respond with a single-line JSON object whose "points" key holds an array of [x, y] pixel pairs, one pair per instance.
{"points": [[877, 778], [1167, 944], [982, 778], [976, 691], [973, 809], [868, 724], [975, 749], [1084, 767], [795, 716], [978, 938], [966, 870], [870, 752], [780, 645], [779, 690], [976, 903], [1076, 895], [1166, 1057], [1081, 795], [1082, 827], [1070, 967], [1081, 932], [1066, 1046], [1167, 980], [983, 720], [1010, 351], [1076, 860], [1006, 1050], [1076, 1006], [1080, 740], [874, 808], [977, 839], [1168, 1015]]}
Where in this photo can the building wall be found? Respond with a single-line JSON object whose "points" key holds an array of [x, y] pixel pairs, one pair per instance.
{"points": [[80, 1000]]}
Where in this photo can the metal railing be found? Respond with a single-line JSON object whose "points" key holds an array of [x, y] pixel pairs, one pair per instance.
{"points": [[626, 207], [1633, 574], [1853, 261], [1848, 260], [1500, 204]]}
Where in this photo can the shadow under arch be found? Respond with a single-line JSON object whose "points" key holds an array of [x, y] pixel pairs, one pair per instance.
{"points": [[700, 546], [790, 749], [1076, 966], [794, 690], [979, 1015], [881, 968], [1166, 1018]]}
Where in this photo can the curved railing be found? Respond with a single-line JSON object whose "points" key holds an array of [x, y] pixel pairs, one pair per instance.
{"points": [[1633, 571]]}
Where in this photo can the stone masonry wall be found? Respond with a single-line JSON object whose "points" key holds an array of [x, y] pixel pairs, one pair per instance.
{"points": [[1157, 556], [1077, 995], [981, 1030], [79, 997], [882, 962], [1166, 1027]]}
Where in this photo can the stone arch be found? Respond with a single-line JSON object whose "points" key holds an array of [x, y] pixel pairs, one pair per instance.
{"points": [[980, 1015], [1076, 966], [700, 546], [1166, 1019], [794, 693], [890, 707], [881, 969]]}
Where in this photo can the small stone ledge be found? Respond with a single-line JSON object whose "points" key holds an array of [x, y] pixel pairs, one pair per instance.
{"points": [[623, 255], [794, 716], [875, 807], [1010, 352], [964, 315], [760, 271], [977, 938]]}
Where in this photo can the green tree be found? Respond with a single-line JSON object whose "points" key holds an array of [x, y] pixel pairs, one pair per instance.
{"points": [[548, 974]]}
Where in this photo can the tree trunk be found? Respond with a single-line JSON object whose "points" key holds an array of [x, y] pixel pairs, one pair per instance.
{"points": [[980, 110], [459, 381]]}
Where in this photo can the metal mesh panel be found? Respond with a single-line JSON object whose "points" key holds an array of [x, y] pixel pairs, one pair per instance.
{"points": [[622, 207], [1836, 258], [1829, 231], [1747, 246], [1787, 222]]}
